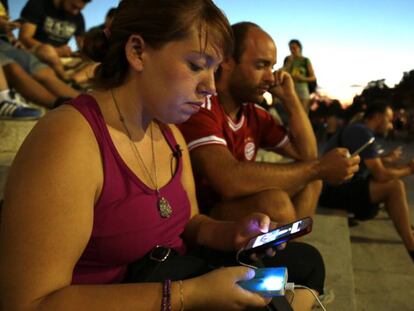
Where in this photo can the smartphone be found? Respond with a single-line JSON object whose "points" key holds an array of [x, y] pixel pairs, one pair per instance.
{"points": [[268, 282], [362, 148], [278, 236]]}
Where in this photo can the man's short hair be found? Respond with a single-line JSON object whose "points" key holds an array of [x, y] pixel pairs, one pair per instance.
{"points": [[375, 107], [239, 33]]}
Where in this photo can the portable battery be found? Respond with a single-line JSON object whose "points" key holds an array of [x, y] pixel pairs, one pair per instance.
{"points": [[268, 282]]}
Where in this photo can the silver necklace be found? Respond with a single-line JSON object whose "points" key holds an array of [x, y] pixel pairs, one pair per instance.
{"points": [[164, 207]]}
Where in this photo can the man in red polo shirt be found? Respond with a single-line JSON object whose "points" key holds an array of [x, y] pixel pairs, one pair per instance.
{"points": [[223, 138]]}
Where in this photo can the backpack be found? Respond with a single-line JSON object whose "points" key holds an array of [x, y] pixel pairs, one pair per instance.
{"points": [[312, 86]]}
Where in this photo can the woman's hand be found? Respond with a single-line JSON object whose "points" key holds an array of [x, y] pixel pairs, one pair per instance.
{"points": [[218, 290], [252, 226], [249, 227]]}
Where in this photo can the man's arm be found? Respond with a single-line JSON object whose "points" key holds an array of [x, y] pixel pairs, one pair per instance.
{"points": [[232, 178], [382, 173], [302, 138], [26, 35]]}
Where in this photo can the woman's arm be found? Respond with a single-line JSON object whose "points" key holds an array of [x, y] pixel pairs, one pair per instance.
{"points": [[47, 221]]}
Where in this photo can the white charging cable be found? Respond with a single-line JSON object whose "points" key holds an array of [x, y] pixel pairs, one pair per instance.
{"points": [[290, 286]]}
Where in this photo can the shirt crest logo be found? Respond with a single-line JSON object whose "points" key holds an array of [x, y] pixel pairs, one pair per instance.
{"points": [[249, 150]]}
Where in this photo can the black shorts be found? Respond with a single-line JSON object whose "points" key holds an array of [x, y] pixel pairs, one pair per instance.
{"points": [[351, 196]]}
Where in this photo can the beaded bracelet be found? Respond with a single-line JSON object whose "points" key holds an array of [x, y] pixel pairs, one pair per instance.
{"points": [[166, 296]]}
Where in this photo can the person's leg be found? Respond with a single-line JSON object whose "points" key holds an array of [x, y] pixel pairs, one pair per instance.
{"points": [[3, 82], [395, 198], [306, 200], [48, 54], [27, 86], [50, 81], [275, 203], [305, 267], [9, 109], [302, 300], [85, 74]]}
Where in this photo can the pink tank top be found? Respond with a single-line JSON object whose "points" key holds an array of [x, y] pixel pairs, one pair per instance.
{"points": [[127, 224]]}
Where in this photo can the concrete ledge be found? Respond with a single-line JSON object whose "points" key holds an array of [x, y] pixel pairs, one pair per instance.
{"points": [[13, 133], [384, 272], [330, 236]]}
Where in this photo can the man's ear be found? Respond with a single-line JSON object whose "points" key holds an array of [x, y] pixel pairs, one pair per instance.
{"points": [[134, 50]]}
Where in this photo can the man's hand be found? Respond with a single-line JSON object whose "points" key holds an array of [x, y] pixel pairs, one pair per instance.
{"points": [[7, 25], [283, 87], [394, 155], [336, 166]]}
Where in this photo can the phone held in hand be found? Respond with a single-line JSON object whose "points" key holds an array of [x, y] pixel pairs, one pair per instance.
{"points": [[268, 282], [363, 147], [279, 235]]}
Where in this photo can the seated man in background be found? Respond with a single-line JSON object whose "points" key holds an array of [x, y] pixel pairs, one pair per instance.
{"points": [[223, 138], [378, 179], [34, 80], [48, 26]]}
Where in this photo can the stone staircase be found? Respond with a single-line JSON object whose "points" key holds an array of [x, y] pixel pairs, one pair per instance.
{"points": [[12, 135], [367, 266]]}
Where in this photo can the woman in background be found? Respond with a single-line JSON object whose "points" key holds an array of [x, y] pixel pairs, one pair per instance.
{"points": [[301, 70]]}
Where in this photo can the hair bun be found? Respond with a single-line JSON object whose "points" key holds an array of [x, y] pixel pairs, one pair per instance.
{"points": [[95, 45]]}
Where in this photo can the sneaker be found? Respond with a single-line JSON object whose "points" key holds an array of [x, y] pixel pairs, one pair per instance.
{"points": [[12, 111]]}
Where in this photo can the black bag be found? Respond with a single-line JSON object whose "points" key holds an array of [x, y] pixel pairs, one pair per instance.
{"points": [[313, 85]]}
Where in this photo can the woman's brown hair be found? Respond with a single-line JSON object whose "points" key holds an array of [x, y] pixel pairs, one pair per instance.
{"points": [[157, 22]]}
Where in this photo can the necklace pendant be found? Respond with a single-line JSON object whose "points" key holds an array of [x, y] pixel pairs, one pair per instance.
{"points": [[164, 207]]}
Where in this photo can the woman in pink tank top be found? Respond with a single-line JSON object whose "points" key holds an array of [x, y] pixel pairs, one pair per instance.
{"points": [[103, 180]]}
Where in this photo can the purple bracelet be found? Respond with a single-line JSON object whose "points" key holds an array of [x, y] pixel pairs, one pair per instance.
{"points": [[166, 296]]}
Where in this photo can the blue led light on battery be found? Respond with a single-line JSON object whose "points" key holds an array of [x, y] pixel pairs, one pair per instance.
{"points": [[272, 283]]}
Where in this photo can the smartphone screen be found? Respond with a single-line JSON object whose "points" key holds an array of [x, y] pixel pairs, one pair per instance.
{"points": [[280, 234]]}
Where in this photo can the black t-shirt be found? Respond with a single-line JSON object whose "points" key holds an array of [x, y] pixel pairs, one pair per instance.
{"points": [[352, 137], [54, 25]]}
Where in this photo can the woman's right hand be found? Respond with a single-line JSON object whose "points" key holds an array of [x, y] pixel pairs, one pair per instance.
{"points": [[218, 290]]}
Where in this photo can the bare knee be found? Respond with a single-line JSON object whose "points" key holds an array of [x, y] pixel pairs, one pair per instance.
{"points": [[316, 187], [397, 186], [46, 52], [277, 205], [44, 74]]}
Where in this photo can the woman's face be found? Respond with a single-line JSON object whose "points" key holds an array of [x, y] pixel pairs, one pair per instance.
{"points": [[176, 78], [295, 49]]}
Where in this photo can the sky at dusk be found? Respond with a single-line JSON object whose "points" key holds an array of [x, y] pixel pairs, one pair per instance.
{"points": [[349, 42]]}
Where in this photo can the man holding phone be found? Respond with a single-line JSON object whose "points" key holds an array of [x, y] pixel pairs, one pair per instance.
{"points": [[223, 138], [379, 177]]}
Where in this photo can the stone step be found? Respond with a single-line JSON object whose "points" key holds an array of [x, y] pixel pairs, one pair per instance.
{"points": [[384, 272], [330, 235], [13, 133]]}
